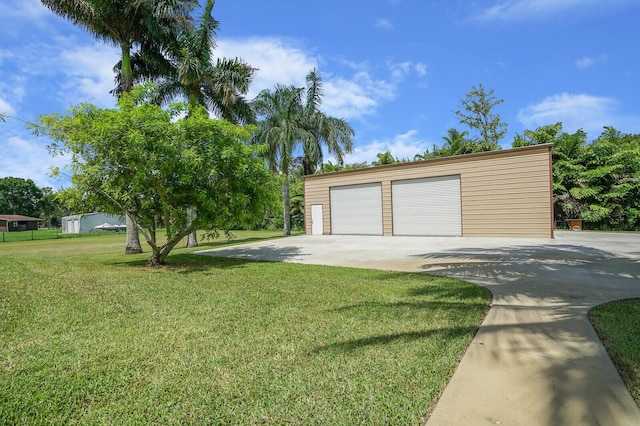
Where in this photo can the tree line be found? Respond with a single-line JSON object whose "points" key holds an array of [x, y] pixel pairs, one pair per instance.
{"points": [[20, 196], [597, 181]]}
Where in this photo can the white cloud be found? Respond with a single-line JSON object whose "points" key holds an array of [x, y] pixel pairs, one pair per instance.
{"points": [[421, 69], [577, 111], [356, 66], [91, 77], [278, 61], [31, 9], [355, 97], [526, 9], [5, 108], [400, 70], [402, 146], [384, 24], [587, 62], [77, 72], [281, 61], [29, 159], [11, 93], [584, 63]]}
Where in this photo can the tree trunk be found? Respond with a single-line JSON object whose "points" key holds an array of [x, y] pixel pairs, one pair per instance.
{"points": [[192, 238], [133, 238], [154, 260], [126, 73], [287, 206]]}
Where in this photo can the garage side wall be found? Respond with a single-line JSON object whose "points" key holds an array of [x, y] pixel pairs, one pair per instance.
{"points": [[504, 193]]}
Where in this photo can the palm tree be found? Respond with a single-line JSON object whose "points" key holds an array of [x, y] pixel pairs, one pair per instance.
{"points": [[289, 123], [190, 71], [281, 130], [125, 23], [334, 133]]}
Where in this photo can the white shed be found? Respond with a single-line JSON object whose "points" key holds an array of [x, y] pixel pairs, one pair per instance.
{"points": [[85, 223]]}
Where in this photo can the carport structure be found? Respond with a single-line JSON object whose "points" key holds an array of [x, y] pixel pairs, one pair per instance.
{"points": [[505, 193]]}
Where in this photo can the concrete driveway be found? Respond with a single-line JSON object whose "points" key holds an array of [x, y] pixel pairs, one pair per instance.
{"points": [[535, 360]]}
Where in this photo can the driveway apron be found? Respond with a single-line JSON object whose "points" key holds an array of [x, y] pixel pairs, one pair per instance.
{"points": [[535, 360]]}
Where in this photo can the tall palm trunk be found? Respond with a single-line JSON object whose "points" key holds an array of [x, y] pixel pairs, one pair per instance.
{"points": [[133, 245], [287, 206], [192, 239]]}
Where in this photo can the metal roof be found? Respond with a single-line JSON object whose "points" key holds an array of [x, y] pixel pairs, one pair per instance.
{"points": [[18, 217]]}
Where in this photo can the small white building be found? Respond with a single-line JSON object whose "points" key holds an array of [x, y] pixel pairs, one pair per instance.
{"points": [[85, 223]]}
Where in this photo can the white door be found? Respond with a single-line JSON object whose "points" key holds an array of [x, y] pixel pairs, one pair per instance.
{"points": [[356, 209], [317, 226], [429, 207]]}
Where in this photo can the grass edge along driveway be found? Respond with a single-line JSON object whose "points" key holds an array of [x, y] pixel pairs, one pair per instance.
{"points": [[88, 335], [617, 324]]}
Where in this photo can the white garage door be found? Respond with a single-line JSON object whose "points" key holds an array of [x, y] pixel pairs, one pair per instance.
{"points": [[428, 206], [356, 209]]}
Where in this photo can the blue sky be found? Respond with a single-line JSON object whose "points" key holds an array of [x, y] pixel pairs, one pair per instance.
{"points": [[395, 69]]}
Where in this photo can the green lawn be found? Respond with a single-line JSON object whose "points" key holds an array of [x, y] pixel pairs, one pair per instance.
{"points": [[618, 325], [40, 234], [90, 336]]}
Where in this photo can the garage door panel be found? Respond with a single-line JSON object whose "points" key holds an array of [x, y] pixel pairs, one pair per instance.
{"points": [[356, 209], [429, 206]]}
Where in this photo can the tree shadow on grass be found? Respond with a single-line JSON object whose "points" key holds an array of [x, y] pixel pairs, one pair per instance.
{"points": [[186, 263], [458, 292], [385, 339], [363, 308]]}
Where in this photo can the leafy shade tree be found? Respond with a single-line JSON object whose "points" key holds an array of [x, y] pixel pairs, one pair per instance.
{"points": [[152, 166], [187, 69], [478, 114], [611, 181], [20, 196], [290, 122], [125, 24]]}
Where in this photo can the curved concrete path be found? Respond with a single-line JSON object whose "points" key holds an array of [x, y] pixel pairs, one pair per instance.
{"points": [[535, 360]]}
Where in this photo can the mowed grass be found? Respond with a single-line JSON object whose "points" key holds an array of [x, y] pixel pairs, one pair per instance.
{"points": [[90, 336], [40, 234], [618, 325]]}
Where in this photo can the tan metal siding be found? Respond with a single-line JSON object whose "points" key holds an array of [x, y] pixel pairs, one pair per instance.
{"points": [[503, 193]]}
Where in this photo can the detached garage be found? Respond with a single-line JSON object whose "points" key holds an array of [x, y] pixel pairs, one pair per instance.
{"points": [[504, 193]]}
